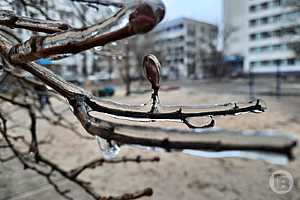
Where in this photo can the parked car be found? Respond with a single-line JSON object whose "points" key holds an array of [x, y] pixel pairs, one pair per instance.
{"points": [[106, 91]]}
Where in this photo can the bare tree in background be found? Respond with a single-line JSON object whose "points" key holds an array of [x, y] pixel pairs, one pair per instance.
{"points": [[213, 60], [213, 63], [54, 40], [134, 50]]}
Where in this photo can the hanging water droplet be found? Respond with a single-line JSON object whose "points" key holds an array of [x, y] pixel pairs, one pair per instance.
{"points": [[109, 150], [30, 156], [98, 48]]}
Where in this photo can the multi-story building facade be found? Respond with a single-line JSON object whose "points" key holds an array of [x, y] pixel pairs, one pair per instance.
{"points": [[181, 45], [258, 35]]}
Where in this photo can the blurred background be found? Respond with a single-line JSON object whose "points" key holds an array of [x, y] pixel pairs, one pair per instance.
{"points": [[251, 41]]}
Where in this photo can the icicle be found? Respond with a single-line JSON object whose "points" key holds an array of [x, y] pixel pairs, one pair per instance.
{"points": [[109, 149]]}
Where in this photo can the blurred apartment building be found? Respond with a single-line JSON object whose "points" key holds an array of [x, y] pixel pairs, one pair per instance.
{"points": [[254, 35], [182, 45]]}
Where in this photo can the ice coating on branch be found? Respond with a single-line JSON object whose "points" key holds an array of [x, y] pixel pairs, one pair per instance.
{"points": [[136, 17], [109, 150], [6, 15]]}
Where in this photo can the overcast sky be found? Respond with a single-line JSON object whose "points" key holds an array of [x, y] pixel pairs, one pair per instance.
{"points": [[204, 10]]}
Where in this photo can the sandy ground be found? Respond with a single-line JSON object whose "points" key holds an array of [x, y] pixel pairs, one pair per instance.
{"points": [[180, 176]]}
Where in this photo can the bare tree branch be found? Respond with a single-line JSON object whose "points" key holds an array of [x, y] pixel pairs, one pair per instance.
{"points": [[72, 175], [82, 105], [115, 3], [9, 19], [99, 162], [141, 20]]}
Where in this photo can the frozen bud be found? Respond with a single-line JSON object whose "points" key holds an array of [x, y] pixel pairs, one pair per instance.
{"points": [[151, 67], [146, 15]]}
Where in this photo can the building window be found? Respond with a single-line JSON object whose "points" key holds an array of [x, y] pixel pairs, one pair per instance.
{"points": [[268, 48], [277, 62], [191, 31], [277, 33], [202, 29], [265, 63], [191, 44], [291, 61], [253, 49], [253, 36], [288, 17], [265, 48], [277, 3], [277, 47], [253, 64], [190, 55], [291, 31], [274, 63], [253, 22], [264, 20], [264, 6], [180, 26], [253, 8], [292, 16], [265, 35], [277, 18], [202, 40]]}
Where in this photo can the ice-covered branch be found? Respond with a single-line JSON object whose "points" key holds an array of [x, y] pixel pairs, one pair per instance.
{"points": [[47, 168], [116, 3], [141, 19], [83, 103], [211, 140], [10, 19], [141, 16]]}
